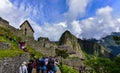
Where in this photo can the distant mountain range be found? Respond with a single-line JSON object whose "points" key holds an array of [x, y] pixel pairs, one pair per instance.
{"points": [[109, 43], [105, 47], [90, 47]]}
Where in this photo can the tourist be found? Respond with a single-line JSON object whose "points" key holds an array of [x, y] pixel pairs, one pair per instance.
{"points": [[30, 66], [37, 66], [23, 68], [50, 65], [34, 66], [43, 65]]}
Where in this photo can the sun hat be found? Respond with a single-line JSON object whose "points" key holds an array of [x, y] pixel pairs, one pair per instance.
{"points": [[24, 63]]}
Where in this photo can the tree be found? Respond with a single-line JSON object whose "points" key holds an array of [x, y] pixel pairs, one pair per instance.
{"points": [[116, 39], [117, 60], [61, 53], [103, 65]]}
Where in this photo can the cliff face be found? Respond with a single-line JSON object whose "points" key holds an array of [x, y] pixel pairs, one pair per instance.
{"points": [[93, 48], [70, 40]]}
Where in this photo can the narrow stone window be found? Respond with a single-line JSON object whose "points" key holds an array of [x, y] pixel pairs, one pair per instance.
{"points": [[25, 31]]}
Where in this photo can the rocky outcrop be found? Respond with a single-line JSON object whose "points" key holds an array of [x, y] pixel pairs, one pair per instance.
{"points": [[11, 65], [69, 39]]}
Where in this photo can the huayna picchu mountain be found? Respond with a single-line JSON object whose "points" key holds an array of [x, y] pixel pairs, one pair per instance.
{"points": [[70, 40]]}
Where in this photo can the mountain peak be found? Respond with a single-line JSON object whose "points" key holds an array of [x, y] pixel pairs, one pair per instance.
{"points": [[70, 40], [67, 32], [66, 36]]}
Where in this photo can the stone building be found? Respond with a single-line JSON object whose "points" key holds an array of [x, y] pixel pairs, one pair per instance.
{"points": [[26, 29], [3, 23]]}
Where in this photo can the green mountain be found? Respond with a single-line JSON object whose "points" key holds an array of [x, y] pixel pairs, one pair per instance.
{"points": [[109, 43], [94, 48], [70, 40]]}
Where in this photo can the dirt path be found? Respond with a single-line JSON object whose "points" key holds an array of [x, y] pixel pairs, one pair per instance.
{"points": [[58, 71]]}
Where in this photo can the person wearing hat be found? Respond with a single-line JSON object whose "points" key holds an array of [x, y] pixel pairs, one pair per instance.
{"points": [[23, 68]]}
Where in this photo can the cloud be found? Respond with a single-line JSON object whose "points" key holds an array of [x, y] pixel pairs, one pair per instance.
{"points": [[75, 28], [100, 25], [17, 16], [13, 14], [93, 27], [52, 31], [76, 8]]}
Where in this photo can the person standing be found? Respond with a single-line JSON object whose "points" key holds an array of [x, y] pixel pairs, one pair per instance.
{"points": [[34, 66], [23, 68], [43, 65], [30, 66]]}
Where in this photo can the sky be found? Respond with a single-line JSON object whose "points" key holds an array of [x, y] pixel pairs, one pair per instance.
{"points": [[50, 18]]}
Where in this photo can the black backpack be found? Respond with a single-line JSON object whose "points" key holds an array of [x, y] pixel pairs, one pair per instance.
{"points": [[50, 64]]}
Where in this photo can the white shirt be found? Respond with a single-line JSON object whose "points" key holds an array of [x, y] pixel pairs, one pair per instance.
{"points": [[23, 69]]}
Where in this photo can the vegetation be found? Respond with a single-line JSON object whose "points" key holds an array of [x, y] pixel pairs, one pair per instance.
{"points": [[7, 36], [9, 53], [61, 53], [67, 69], [12, 51], [116, 39], [103, 65]]}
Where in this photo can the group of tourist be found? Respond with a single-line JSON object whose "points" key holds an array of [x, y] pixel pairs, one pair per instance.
{"points": [[42, 65]]}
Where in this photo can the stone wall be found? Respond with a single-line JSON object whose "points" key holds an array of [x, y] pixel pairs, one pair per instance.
{"points": [[4, 45], [11, 65], [5, 24]]}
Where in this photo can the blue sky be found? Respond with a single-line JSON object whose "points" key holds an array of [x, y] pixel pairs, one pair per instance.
{"points": [[84, 18]]}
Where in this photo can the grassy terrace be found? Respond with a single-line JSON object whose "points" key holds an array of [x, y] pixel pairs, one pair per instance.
{"points": [[5, 36], [9, 37], [9, 53]]}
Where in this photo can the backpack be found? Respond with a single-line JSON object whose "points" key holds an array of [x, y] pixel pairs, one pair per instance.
{"points": [[42, 62], [50, 64]]}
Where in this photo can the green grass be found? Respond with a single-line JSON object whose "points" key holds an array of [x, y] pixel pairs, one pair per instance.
{"points": [[67, 69], [9, 53], [5, 36], [3, 39]]}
